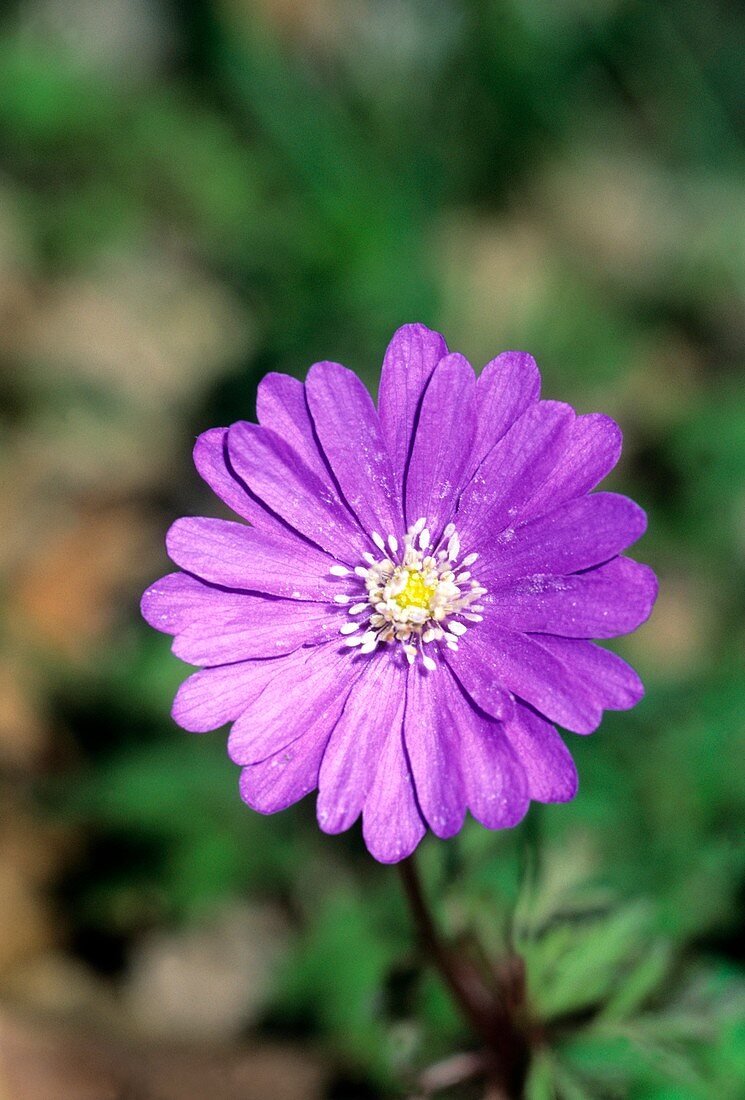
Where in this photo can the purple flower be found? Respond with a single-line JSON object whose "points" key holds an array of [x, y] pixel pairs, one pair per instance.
{"points": [[408, 611]]}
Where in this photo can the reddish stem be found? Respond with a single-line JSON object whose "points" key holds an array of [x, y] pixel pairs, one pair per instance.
{"points": [[490, 1014]]}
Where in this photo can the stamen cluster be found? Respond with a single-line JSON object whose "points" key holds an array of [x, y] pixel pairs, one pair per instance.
{"points": [[416, 594]]}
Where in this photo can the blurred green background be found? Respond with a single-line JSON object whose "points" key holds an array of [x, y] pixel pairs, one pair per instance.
{"points": [[194, 193]]}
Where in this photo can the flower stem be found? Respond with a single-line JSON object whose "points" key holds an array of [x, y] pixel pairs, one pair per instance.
{"points": [[433, 946], [489, 1013]]}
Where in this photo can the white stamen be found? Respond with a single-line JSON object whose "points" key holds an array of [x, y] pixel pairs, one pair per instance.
{"points": [[416, 594], [338, 571]]}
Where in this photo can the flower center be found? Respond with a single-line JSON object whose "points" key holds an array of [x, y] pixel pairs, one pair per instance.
{"points": [[414, 594]]}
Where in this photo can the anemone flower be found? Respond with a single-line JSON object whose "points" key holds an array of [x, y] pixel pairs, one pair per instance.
{"points": [[405, 608]]}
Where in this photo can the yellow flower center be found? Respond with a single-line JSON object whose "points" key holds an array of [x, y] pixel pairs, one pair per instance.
{"points": [[416, 593]]}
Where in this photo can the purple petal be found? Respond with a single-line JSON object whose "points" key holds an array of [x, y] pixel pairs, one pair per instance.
{"points": [[548, 764], [518, 664], [433, 742], [217, 625], [293, 700], [235, 556], [442, 446], [512, 471], [613, 599], [576, 536], [374, 707], [614, 683], [213, 465], [391, 822], [348, 429], [591, 450], [168, 605], [241, 627], [472, 666], [214, 696], [494, 781], [278, 476], [281, 406], [412, 355], [506, 387], [288, 775]]}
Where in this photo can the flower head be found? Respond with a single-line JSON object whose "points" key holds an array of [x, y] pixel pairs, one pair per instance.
{"points": [[408, 608]]}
